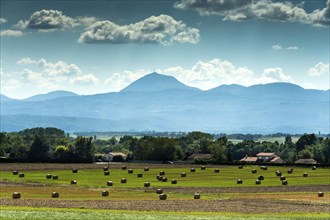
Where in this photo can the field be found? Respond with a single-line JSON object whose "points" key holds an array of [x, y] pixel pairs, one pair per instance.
{"points": [[221, 197]]}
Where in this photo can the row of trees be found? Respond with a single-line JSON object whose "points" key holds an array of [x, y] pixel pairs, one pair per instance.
{"points": [[52, 144]]}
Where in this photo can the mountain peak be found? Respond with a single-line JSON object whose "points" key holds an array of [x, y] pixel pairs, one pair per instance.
{"points": [[156, 82], [51, 95]]}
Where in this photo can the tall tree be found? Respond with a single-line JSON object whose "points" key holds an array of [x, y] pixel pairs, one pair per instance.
{"points": [[39, 149]]}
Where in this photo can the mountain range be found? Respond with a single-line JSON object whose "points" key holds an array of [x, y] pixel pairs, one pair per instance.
{"points": [[162, 103]]}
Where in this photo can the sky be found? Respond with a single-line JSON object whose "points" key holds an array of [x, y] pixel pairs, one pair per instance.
{"points": [[90, 47]]}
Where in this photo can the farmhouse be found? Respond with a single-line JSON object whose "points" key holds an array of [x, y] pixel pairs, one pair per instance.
{"points": [[262, 157], [113, 156]]}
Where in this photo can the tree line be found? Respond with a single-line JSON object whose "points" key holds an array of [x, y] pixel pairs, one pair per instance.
{"points": [[54, 145]]}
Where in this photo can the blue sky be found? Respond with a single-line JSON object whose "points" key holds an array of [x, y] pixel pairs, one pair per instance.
{"points": [[92, 47]]}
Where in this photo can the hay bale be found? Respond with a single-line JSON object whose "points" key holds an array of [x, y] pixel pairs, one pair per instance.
{"points": [[16, 195], [123, 167], [240, 166], [278, 173], [197, 196], [159, 191], [15, 172], [284, 182], [21, 175], [146, 184], [320, 194], [305, 175], [183, 174], [164, 179], [105, 168], [159, 177], [254, 171], [146, 169], [192, 170], [74, 171], [162, 173], [258, 182], [264, 167], [313, 167], [261, 178], [139, 175], [55, 177], [109, 183], [55, 195], [290, 170], [203, 168], [174, 181], [73, 182], [282, 178], [217, 170], [105, 193], [106, 173], [239, 181], [49, 176], [162, 196], [123, 180], [130, 171]]}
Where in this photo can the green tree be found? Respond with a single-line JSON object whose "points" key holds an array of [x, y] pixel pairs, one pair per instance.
{"points": [[305, 140], [62, 153], [85, 149], [218, 152], [39, 149]]}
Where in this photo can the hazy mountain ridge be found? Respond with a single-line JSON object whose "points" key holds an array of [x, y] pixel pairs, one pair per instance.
{"points": [[146, 104]]}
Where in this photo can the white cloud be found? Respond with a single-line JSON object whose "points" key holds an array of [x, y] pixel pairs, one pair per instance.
{"points": [[26, 61], [2, 20], [319, 69], [10, 85], [10, 33], [292, 48], [274, 74], [236, 10], [161, 29], [47, 20], [85, 79], [277, 47]]}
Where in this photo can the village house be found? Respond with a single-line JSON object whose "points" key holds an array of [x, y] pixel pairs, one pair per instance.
{"points": [[262, 157]]}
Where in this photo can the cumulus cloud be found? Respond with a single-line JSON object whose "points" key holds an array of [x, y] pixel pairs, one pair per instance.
{"points": [[47, 20], [319, 69], [26, 61], [10, 33], [85, 79], [161, 29], [236, 10], [275, 74], [279, 47], [118, 81], [2, 20]]}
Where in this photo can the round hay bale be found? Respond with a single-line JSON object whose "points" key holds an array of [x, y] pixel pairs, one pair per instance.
{"points": [[261, 178], [254, 171], [162, 196], [159, 191], [174, 181], [313, 167], [162, 173], [258, 182], [164, 179], [203, 168], [55, 177], [21, 175], [123, 167], [16, 195], [146, 169], [197, 196], [55, 195], [192, 170], [183, 174], [105, 168], [146, 184], [106, 173], [290, 171], [139, 175], [278, 173], [15, 172], [239, 181], [130, 171], [282, 178], [240, 166], [264, 167], [109, 183], [320, 194], [159, 177], [284, 182], [105, 193], [73, 182], [49, 176], [217, 170], [305, 175], [74, 171], [123, 180]]}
